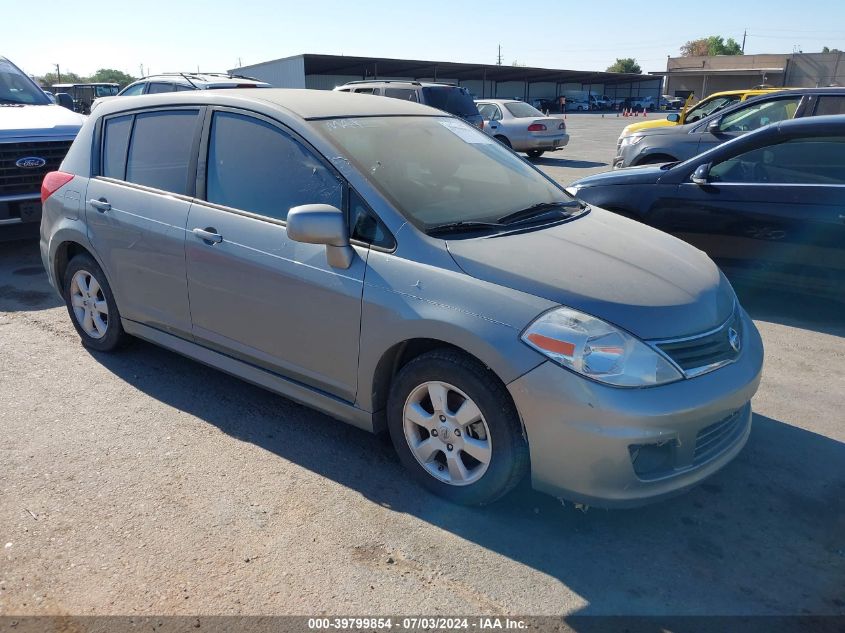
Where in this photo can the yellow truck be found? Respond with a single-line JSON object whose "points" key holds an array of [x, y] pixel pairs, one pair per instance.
{"points": [[708, 105]]}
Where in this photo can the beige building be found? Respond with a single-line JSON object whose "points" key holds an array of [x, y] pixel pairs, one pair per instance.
{"points": [[706, 75]]}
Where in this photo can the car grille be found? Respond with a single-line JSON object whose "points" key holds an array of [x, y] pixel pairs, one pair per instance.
{"points": [[15, 180], [700, 354], [713, 439]]}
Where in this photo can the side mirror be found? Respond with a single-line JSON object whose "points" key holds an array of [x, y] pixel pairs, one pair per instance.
{"points": [[714, 125], [64, 100], [674, 118], [701, 175], [322, 224]]}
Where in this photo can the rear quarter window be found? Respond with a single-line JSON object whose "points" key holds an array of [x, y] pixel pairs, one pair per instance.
{"points": [[450, 99], [115, 145]]}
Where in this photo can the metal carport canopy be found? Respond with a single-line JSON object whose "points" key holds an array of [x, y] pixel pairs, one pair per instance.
{"points": [[387, 67]]}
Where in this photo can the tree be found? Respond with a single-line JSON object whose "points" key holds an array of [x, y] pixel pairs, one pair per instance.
{"points": [[68, 77], [625, 65], [713, 45], [830, 50], [110, 75]]}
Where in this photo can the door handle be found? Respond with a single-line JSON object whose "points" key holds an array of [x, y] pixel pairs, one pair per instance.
{"points": [[208, 235], [100, 205]]}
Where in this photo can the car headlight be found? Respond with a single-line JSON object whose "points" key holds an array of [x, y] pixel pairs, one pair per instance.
{"points": [[629, 140], [598, 350]]}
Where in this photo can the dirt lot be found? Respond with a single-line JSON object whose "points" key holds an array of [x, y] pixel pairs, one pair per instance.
{"points": [[144, 483]]}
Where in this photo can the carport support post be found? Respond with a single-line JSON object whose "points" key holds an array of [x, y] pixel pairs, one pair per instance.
{"points": [[483, 83]]}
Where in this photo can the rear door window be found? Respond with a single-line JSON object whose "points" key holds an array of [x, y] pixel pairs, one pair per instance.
{"points": [[161, 149], [159, 87], [115, 145], [830, 105], [367, 91], [255, 166]]}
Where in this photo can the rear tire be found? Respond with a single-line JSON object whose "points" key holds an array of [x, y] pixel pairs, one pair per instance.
{"points": [[535, 153], [455, 428], [91, 305]]}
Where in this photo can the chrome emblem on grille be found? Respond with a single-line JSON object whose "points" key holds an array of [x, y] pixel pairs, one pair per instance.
{"points": [[734, 340], [30, 162]]}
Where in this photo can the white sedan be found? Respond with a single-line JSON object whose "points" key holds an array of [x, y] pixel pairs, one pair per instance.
{"points": [[522, 127]]}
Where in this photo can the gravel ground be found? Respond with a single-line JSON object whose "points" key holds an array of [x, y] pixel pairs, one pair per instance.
{"points": [[145, 483]]}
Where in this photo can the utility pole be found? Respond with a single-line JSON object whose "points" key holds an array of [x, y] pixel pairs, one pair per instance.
{"points": [[58, 75], [499, 62], [744, 33]]}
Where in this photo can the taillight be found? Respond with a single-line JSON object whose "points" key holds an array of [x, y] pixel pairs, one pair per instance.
{"points": [[481, 124], [536, 127], [52, 182]]}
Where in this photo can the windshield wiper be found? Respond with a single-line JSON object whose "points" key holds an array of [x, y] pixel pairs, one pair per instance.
{"points": [[538, 210], [462, 226]]}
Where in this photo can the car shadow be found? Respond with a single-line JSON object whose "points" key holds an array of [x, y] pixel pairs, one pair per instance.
{"points": [[23, 280], [805, 311], [548, 161], [764, 535]]}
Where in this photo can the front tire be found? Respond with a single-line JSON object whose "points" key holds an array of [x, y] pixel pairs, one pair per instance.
{"points": [[535, 153], [455, 428], [91, 305]]}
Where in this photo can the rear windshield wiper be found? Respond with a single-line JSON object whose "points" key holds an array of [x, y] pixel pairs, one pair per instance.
{"points": [[462, 227], [538, 210]]}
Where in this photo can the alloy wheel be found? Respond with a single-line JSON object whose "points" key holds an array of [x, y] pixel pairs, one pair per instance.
{"points": [[447, 433], [89, 304]]}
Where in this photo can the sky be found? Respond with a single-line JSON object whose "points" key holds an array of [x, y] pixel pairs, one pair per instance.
{"points": [[215, 35]]}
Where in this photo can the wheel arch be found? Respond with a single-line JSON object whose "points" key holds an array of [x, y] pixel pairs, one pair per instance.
{"points": [[652, 159], [66, 248]]}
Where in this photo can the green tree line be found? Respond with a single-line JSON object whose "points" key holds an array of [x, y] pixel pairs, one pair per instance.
{"points": [[104, 75]]}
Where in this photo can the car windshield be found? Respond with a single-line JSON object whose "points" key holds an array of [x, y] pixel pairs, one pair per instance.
{"points": [[708, 107], [15, 87], [450, 99], [439, 170], [522, 110]]}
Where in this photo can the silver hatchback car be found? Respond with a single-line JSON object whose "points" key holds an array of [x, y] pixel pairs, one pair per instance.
{"points": [[398, 269]]}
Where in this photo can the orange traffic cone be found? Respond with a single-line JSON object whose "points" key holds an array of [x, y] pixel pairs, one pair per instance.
{"points": [[636, 113]]}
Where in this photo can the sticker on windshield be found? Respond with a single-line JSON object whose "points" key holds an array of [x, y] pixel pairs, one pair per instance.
{"points": [[465, 132]]}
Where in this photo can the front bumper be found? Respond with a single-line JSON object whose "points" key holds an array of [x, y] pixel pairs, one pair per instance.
{"points": [[583, 435]]}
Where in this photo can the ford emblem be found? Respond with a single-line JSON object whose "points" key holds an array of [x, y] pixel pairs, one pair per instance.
{"points": [[30, 162]]}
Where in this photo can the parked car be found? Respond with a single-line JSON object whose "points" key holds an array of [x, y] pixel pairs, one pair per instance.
{"points": [[767, 206], [691, 113], [447, 97], [84, 94], [643, 103], [35, 135], [577, 104], [599, 102], [522, 127], [179, 82], [669, 144], [397, 268], [668, 102]]}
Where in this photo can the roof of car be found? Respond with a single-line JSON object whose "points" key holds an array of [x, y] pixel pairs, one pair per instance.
{"points": [[307, 104], [499, 101], [413, 82]]}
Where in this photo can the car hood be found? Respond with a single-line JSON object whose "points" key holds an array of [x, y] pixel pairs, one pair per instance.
{"points": [[30, 121], [646, 125], [668, 129], [641, 175], [645, 281]]}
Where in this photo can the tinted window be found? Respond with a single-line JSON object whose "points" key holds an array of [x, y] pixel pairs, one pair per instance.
{"points": [[453, 100], [367, 91], [756, 115], [254, 166], [181, 88], [366, 226], [406, 94], [156, 88], [830, 105], [131, 91], [522, 110], [161, 149], [819, 161], [115, 144]]}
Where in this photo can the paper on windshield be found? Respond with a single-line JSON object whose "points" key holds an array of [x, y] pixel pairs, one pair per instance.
{"points": [[465, 132]]}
